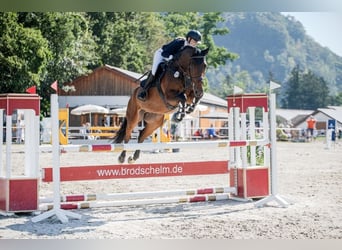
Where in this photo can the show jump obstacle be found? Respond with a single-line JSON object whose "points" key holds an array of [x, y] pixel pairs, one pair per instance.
{"points": [[249, 175], [12, 197]]}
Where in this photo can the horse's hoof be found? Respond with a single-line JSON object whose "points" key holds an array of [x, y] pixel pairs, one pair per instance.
{"points": [[189, 109], [121, 159], [179, 119], [130, 160]]}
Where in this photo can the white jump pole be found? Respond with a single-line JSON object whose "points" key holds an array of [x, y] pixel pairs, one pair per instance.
{"points": [[251, 111], [8, 145], [1, 139], [60, 213], [274, 189]]}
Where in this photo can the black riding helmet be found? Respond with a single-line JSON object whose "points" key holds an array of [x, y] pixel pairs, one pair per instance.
{"points": [[194, 34]]}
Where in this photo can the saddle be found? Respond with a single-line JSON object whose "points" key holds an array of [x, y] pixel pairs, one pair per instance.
{"points": [[159, 75]]}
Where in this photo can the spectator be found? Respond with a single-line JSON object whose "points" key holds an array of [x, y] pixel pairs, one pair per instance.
{"points": [[212, 132], [199, 133], [311, 126]]}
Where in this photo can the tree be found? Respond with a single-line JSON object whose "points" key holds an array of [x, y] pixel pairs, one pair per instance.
{"points": [[218, 55], [316, 91], [336, 100], [70, 43], [126, 39], [24, 55], [305, 90]]}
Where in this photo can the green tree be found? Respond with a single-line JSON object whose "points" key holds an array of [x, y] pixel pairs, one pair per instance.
{"points": [[316, 91], [24, 55], [293, 90], [178, 24], [71, 45], [124, 38], [305, 90], [336, 100], [218, 55]]}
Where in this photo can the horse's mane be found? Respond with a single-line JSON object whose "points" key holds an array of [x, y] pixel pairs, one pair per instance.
{"points": [[196, 51]]}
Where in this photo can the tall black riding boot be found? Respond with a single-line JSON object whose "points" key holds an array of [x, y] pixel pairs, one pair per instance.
{"points": [[142, 95]]}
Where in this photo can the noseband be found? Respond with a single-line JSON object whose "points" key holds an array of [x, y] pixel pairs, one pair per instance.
{"points": [[189, 78]]}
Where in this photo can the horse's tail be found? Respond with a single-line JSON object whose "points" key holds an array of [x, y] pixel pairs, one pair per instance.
{"points": [[120, 135]]}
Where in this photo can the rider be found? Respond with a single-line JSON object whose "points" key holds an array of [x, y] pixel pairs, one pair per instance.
{"points": [[166, 53]]}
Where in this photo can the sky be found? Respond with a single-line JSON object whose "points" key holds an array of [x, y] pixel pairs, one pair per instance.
{"points": [[324, 27]]}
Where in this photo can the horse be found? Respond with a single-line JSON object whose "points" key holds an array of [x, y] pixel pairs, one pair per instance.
{"points": [[180, 85]]}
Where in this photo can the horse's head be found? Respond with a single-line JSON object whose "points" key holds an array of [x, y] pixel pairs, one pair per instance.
{"points": [[197, 69], [191, 62]]}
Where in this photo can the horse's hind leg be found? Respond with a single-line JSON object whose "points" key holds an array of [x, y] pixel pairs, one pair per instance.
{"points": [[135, 156], [152, 122], [126, 128], [122, 156]]}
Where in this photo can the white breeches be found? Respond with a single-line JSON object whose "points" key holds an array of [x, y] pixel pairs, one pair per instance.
{"points": [[157, 59]]}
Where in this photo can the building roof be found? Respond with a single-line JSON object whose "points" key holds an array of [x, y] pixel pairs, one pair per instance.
{"points": [[290, 114], [331, 112], [334, 112], [214, 100], [132, 74]]}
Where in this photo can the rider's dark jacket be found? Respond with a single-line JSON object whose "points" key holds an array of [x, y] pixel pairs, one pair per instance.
{"points": [[173, 47]]}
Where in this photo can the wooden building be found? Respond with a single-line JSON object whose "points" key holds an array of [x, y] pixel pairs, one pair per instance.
{"points": [[106, 86]]}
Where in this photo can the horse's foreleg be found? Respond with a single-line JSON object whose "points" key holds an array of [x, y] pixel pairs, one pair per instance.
{"points": [[179, 115], [189, 108]]}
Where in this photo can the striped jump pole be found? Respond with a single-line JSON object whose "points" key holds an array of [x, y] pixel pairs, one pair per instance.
{"points": [[139, 202], [153, 146], [140, 195]]}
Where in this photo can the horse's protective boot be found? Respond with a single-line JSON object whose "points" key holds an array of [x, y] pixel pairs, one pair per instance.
{"points": [[142, 95]]}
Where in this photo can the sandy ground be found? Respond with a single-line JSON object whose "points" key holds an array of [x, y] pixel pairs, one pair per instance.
{"points": [[308, 174]]}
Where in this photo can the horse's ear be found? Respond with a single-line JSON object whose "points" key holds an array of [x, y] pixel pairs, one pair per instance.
{"points": [[205, 52]]}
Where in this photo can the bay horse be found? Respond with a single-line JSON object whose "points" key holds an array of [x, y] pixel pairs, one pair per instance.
{"points": [[179, 86]]}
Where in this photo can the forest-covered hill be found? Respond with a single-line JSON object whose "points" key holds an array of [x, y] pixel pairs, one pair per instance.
{"points": [[270, 45]]}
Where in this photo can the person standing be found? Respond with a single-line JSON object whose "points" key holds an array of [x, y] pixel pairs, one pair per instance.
{"points": [[311, 127]]}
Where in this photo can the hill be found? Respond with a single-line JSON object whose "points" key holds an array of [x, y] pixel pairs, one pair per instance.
{"points": [[270, 44]]}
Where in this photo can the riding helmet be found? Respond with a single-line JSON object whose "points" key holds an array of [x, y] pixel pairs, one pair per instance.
{"points": [[194, 34]]}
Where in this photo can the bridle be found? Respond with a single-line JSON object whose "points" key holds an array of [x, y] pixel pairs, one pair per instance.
{"points": [[189, 79]]}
